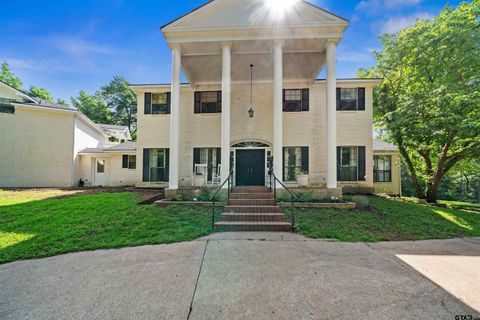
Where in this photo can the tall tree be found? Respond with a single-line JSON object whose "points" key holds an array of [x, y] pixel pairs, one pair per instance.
{"points": [[40, 93], [428, 103], [93, 106], [6, 76], [122, 101]]}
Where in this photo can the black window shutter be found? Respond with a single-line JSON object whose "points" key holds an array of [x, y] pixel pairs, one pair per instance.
{"points": [[219, 101], [339, 98], [196, 157], [148, 103], [283, 99], [198, 102], [169, 102], [339, 156], [361, 164], [305, 159], [219, 156], [167, 165], [146, 165], [361, 99], [125, 161], [305, 99]]}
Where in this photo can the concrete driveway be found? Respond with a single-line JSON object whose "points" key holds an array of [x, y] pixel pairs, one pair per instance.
{"points": [[250, 276]]}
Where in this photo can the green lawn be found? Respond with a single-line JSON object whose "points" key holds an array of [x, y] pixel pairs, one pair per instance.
{"points": [[33, 227], [384, 219]]}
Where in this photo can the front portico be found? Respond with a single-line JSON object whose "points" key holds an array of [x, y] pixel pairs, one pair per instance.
{"points": [[215, 46]]}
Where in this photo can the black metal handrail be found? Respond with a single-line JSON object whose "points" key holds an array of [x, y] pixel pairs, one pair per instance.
{"points": [[273, 185], [214, 196]]}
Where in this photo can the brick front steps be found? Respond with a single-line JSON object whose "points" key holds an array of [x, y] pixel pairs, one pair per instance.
{"points": [[252, 209]]}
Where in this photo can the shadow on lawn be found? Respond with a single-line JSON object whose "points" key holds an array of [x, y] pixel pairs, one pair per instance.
{"points": [[53, 226]]}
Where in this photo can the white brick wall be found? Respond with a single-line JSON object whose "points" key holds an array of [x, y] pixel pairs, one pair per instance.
{"points": [[300, 128]]}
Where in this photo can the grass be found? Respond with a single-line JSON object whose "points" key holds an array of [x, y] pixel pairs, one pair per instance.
{"points": [[387, 220], [33, 227]]}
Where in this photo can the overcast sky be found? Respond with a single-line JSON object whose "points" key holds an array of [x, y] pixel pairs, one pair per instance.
{"points": [[67, 46]]}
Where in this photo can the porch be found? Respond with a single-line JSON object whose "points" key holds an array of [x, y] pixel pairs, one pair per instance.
{"points": [[284, 51]]}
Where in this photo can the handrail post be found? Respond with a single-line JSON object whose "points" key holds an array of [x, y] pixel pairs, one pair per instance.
{"points": [[293, 214], [213, 214]]}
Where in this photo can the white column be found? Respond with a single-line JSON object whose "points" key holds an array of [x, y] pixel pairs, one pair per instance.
{"points": [[175, 119], [226, 101], [278, 109], [331, 116]]}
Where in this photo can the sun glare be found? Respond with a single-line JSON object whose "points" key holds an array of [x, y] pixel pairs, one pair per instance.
{"points": [[279, 8]]}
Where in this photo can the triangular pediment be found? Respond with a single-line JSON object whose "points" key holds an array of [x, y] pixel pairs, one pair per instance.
{"points": [[236, 14]]}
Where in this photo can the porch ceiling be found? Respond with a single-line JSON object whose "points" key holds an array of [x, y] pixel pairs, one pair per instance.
{"points": [[303, 60]]}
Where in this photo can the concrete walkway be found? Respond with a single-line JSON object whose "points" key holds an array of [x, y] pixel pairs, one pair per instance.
{"points": [[250, 276]]}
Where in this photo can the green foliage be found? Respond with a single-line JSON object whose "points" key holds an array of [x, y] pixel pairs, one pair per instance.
{"points": [[6, 76], [122, 102], [54, 226], [93, 107], [62, 103], [428, 101], [387, 220], [36, 92], [205, 194]]}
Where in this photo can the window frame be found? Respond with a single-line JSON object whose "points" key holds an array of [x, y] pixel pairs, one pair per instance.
{"points": [[300, 167], [199, 104], [127, 161], [344, 167], [303, 105], [147, 168], [360, 97], [149, 106], [376, 171], [213, 158]]}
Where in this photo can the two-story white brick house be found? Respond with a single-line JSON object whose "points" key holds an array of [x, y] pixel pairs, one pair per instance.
{"points": [[253, 93]]}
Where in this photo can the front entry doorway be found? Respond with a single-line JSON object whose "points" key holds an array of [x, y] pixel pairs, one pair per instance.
{"points": [[250, 167]]}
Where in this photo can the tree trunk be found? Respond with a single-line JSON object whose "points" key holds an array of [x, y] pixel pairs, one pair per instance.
{"points": [[432, 189], [413, 174]]}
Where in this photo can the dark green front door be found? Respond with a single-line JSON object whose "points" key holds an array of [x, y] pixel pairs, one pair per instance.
{"points": [[250, 167]]}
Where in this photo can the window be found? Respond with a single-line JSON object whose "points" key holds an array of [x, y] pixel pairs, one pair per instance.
{"points": [[100, 166], [295, 100], [382, 169], [211, 157], [155, 165], [351, 164], [348, 164], [295, 162], [6, 107], [208, 102], [129, 161], [350, 99], [157, 103]]}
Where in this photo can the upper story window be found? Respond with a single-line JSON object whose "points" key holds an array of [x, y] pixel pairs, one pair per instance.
{"points": [[208, 102], [6, 107], [157, 103], [350, 99], [296, 100], [382, 168]]}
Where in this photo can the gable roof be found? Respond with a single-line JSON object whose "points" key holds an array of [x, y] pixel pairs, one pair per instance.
{"points": [[121, 147], [250, 13], [383, 146], [17, 92], [116, 131]]}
